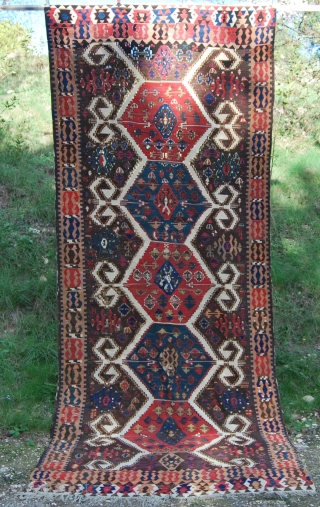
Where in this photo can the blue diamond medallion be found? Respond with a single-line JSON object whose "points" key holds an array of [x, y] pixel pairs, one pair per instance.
{"points": [[170, 433], [165, 120], [168, 278]]}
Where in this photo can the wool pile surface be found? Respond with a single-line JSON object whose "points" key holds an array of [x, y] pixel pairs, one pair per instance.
{"points": [[162, 121]]}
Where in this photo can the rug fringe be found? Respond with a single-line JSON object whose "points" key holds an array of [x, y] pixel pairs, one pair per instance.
{"points": [[156, 501]]}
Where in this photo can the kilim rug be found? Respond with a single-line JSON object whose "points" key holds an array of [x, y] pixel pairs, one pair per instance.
{"points": [[162, 121]]}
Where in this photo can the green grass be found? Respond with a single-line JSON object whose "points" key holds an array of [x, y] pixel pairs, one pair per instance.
{"points": [[295, 242], [28, 306], [28, 309]]}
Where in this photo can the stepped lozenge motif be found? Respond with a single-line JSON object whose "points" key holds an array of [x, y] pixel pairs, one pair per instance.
{"points": [[162, 119]]}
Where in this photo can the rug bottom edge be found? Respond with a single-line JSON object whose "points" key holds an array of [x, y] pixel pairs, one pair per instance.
{"points": [[153, 500]]}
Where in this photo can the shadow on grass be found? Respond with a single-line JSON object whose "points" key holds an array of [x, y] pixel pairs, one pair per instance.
{"points": [[28, 307], [295, 246]]}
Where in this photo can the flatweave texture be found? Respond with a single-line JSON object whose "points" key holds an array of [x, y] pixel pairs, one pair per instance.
{"points": [[162, 121]]}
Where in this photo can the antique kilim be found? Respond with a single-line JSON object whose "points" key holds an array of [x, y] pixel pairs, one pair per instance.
{"points": [[162, 119]]}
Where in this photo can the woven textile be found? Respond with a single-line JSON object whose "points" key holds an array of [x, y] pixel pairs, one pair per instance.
{"points": [[162, 120]]}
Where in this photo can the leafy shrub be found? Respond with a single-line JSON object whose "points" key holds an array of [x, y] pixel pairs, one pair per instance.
{"points": [[14, 43], [297, 83]]}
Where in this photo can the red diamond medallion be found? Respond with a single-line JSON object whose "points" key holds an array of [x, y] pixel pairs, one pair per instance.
{"points": [[169, 282], [165, 121]]}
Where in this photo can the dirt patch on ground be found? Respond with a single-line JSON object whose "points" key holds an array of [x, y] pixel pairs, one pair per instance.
{"points": [[19, 455]]}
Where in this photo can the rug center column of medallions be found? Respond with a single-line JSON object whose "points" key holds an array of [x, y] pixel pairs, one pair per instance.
{"points": [[183, 197]]}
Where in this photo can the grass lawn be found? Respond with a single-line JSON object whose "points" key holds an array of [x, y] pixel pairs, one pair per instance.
{"points": [[28, 307], [295, 247]]}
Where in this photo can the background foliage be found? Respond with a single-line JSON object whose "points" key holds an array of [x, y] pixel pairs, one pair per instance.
{"points": [[28, 308]]}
